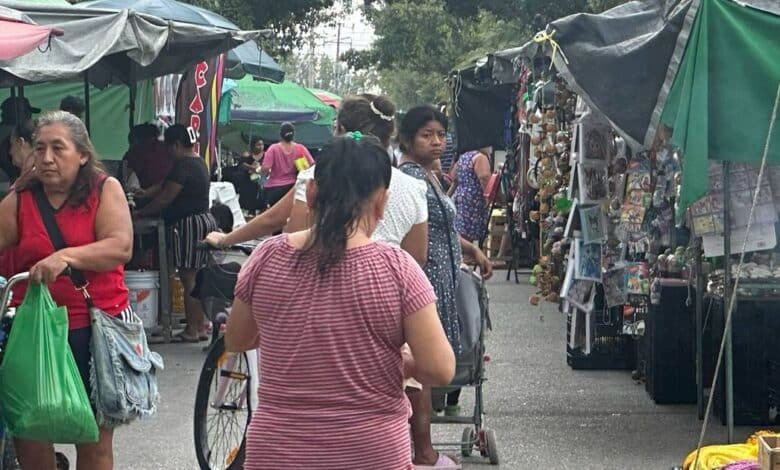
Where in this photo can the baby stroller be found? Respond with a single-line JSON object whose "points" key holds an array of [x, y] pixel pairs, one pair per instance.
{"points": [[225, 396], [470, 370]]}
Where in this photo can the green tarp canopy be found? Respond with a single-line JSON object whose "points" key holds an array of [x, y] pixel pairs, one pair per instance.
{"points": [[721, 100], [109, 113], [256, 108]]}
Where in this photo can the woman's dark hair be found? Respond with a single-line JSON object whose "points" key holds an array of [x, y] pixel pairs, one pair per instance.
{"points": [[287, 131], [179, 134], [369, 114], [415, 119], [347, 173], [92, 173], [223, 216], [24, 130], [254, 142]]}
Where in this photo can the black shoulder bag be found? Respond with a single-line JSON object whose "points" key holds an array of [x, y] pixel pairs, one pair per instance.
{"points": [[123, 369], [468, 288]]}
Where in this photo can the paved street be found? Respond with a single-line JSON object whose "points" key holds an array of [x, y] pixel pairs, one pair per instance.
{"points": [[546, 416]]}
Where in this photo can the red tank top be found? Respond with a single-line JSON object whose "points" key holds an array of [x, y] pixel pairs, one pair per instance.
{"points": [[77, 224]]}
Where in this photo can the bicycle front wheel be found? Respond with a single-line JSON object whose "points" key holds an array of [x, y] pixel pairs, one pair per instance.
{"points": [[222, 409]]}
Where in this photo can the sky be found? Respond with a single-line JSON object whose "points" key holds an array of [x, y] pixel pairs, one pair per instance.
{"points": [[356, 32]]}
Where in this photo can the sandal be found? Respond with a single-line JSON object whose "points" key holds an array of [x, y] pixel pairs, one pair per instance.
{"points": [[444, 462], [182, 338]]}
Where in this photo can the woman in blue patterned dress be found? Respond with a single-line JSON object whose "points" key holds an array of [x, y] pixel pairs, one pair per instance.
{"points": [[472, 173], [423, 135]]}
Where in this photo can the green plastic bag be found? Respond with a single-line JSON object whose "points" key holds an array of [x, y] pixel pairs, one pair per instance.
{"points": [[42, 397]]}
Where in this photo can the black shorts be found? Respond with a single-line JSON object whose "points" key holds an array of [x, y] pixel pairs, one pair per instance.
{"points": [[275, 194], [78, 340]]}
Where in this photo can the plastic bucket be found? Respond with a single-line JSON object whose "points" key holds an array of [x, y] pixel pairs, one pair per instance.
{"points": [[144, 295]]}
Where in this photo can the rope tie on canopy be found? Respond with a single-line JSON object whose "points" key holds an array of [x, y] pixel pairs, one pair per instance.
{"points": [[547, 37]]}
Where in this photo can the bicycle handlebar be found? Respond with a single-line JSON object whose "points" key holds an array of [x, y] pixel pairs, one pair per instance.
{"points": [[246, 249], [7, 289]]}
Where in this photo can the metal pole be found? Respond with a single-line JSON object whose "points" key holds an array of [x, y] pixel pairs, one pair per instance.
{"points": [[132, 88], [727, 284], [87, 112], [699, 330]]}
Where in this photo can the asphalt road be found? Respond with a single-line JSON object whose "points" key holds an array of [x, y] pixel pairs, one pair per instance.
{"points": [[546, 415]]}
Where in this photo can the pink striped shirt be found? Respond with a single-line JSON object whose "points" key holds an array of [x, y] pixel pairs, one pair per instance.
{"points": [[331, 394]]}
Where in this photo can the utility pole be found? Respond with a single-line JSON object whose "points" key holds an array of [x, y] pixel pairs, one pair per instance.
{"points": [[338, 54]]}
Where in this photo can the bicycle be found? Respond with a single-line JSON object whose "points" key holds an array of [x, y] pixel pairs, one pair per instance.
{"points": [[225, 396]]}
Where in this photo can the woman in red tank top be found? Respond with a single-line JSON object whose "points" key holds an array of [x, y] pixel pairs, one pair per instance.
{"points": [[94, 218]]}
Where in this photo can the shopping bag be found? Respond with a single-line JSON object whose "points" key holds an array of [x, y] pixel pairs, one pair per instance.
{"points": [[42, 397]]}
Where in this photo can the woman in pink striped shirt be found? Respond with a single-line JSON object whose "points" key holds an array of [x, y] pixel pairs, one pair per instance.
{"points": [[329, 309]]}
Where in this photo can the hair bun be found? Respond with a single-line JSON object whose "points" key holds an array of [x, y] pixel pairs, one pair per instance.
{"points": [[384, 105]]}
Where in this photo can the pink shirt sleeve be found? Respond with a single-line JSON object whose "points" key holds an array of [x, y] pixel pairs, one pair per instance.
{"points": [[251, 271], [269, 160], [302, 150], [416, 290]]}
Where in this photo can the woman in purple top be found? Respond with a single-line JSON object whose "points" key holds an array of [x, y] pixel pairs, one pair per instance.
{"points": [[472, 173], [282, 162]]}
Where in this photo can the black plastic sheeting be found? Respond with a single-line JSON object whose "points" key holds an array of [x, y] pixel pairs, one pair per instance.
{"points": [[480, 115], [618, 60]]}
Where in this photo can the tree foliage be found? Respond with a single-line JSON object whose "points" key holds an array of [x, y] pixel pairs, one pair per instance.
{"points": [[292, 21], [420, 41]]}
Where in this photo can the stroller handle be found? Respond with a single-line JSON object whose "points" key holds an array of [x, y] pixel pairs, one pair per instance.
{"points": [[7, 289]]}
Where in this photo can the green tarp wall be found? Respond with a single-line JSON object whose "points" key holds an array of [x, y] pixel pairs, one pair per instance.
{"points": [[109, 108], [722, 98]]}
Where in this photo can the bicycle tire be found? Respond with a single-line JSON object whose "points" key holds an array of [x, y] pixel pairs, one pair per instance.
{"points": [[202, 406], [8, 460]]}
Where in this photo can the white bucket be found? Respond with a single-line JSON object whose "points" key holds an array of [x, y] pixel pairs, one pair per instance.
{"points": [[144, 295]]}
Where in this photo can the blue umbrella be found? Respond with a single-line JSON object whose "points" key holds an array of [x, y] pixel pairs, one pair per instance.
{"points": [[246, 59]]}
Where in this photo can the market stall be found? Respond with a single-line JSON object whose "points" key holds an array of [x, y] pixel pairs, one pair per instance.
{"points": [[663, 88], [103, 47]]}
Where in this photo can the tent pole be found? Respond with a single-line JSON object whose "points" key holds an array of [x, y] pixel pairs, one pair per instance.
{"points": [[87, 111], [727, 286], [219, 160], [699, 329], [133, 89]]}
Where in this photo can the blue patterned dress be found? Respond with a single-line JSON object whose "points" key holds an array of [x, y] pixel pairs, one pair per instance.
{"points": [[472, 217], [443, 253]]}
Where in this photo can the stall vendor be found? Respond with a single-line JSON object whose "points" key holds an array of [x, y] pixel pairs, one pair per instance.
{"points": [[183, 202]]}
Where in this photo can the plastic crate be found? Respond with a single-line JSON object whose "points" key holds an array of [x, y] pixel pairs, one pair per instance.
{"points": [[611, 350], [671, 347], [755, 360]]}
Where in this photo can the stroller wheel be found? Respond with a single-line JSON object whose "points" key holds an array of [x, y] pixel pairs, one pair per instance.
{"points": [[490, 449], [467, 441]]}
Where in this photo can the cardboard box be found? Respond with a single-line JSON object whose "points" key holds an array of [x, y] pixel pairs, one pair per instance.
{"points": [[769, 452]]}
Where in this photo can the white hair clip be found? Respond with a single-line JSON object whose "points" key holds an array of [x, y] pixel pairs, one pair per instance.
{"points": [[193, 135], [379, 113]]}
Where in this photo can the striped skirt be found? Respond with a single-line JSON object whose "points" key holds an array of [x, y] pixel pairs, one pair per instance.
{"points": [[185, 235]]}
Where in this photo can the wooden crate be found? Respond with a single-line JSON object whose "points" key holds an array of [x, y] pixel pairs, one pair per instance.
{"points": [[497, 218], [769, 452]]}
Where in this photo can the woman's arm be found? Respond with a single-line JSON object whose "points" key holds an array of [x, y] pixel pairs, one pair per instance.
{"points": [[416, 243], [434, 360], [472, 251], [482, 169], [264, 224], [268, 161], [164, 199], [299, 217], [453, 187], [113, 235], [241, 333], [151, 192], [9, 230]]}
